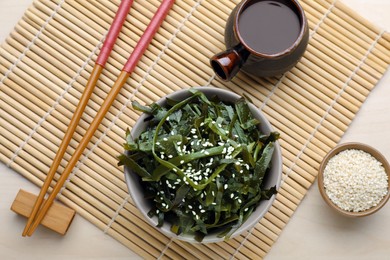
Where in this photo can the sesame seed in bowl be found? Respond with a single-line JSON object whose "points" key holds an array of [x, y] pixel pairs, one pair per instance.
{"points": [[354, 179]]}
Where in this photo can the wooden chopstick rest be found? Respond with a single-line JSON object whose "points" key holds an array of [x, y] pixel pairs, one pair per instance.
{"points": [[58, 217]]}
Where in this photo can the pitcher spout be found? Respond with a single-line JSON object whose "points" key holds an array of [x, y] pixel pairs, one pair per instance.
{"points": [[226, 64]]}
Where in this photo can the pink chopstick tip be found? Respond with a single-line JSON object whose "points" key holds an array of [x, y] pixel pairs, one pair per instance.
{"points": [[114, 31], [147, 37]]}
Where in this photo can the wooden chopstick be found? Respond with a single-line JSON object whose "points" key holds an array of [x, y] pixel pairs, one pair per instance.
{"points": [[128, 68], [101, 60]]}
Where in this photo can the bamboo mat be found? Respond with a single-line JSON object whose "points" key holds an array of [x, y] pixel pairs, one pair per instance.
{"points": [[46, 61]]}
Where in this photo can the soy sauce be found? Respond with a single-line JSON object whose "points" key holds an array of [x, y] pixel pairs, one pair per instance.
{"points": [[269, 27]]}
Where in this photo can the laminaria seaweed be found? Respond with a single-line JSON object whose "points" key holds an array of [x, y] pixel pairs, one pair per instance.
{"points": [[201, 163]]}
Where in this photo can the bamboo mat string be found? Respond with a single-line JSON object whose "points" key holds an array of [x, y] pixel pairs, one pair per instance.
{"points": [[116, 214], [56, 103], [43, 27], [327, 13], [332, 104], [14, 65], [165, 249]]}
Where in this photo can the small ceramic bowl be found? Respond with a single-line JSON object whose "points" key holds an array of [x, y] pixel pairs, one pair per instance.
{"points": [[349, 146], [273, 179]]}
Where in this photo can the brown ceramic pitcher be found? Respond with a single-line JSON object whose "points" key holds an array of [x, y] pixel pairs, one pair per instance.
{"points": [[263, 38]]}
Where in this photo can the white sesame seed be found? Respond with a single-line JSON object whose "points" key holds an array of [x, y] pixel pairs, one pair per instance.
{"points": [[170, 156], [206, 153], [178, 143], [182, 161], [189, 206], [225, 186], [165, 139], [354, 180]]}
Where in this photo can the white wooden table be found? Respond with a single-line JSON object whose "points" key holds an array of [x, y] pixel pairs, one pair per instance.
{"points": [[314, 231]]}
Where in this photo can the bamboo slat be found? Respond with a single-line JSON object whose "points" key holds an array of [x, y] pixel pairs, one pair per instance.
{"points": [[47, 59]]}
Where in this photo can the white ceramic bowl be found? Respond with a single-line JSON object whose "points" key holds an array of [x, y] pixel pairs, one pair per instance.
{"points": [[273, 179]]}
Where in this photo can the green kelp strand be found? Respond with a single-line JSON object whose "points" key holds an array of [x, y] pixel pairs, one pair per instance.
{"points": [[163, 169], [264, 162], [155, 137]]}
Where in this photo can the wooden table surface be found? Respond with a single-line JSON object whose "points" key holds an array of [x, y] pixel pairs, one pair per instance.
{"points": [[314, 231]]}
